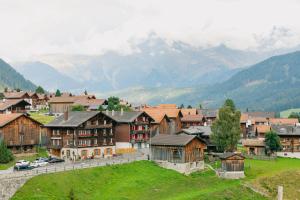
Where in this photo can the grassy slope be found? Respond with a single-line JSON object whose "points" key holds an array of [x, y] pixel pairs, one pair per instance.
{"points": [[286, 113], [41, 153], [139, 180], [144, 180]]}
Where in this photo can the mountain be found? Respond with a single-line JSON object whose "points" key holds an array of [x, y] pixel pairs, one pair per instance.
{"points": [[154, 63], [272, 85], [10, 78], [47, 76]]}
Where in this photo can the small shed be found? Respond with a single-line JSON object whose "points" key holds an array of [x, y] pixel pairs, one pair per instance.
{"points": [[183, 153], [232, 165]]}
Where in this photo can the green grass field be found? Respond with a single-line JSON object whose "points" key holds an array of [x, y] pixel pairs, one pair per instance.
{"points": [[41, 152], [145, 180], [40, 117], [286, 113]]}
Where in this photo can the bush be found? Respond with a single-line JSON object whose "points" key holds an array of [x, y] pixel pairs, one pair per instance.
{"points": [[5, 154]]}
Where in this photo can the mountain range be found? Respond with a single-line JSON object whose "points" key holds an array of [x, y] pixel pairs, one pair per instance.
{"points": [[155, 62], [10, 78]]}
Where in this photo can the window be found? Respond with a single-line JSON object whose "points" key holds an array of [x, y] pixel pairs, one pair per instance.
{"points": [[111, 132], [95, 141], [104, 122], [68, 132], [104, 132], [111, 141], [108, 151], [96, 131], [104, 141], [97, 152]]}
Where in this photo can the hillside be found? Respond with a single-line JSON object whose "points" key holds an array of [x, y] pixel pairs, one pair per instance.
{"points": [[272, 84], [47, 76], [9, 77], [269, 85]]}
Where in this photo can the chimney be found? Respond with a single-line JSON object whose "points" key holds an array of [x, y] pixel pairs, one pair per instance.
{"points": [[112, 113], [66, 115], [122, 111]]}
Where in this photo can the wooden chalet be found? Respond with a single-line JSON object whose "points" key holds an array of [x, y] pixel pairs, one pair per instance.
{"points": [[192, 120], [42, 102], [289, 137], [209, 115], [13, 106], [232, 162], [30, 97], [63, 103], [81, 135], [160, 125], [183, 153], [177, 148], [173, 113], [255, 147], [20, 132], [132, 128]]}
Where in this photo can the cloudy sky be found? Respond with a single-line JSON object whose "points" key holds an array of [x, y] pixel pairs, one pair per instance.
{"points": [[35, 27]]}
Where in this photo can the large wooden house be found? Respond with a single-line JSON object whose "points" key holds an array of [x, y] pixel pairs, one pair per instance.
{"points": [[160, 125], [289, 137], [8, 106], [192, 120], [183, 153], [209, 115], [80, 135], [132, 128], [20, 132]]}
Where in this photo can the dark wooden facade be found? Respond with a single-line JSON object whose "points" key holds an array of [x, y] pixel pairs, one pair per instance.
{"points": [[96, 132], [232, 162], [21, 133], [179, 153]]}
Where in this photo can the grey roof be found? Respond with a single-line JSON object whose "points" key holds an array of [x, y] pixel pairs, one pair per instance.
{"points": [[208, 112], [172, 140], [75, 118], [195, 130], [229, 154], [124, 117], [282, 130], [261, 114]]}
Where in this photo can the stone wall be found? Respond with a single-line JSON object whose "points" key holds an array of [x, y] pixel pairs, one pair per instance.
{"points": [[184, 168], [231, 175], [289, 154]]}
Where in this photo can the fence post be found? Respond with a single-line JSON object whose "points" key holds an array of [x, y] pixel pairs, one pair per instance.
{"points": [[280, 192]]}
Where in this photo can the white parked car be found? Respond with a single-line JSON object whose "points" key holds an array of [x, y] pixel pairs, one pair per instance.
{"points": [[20, 163], [38, 163]]}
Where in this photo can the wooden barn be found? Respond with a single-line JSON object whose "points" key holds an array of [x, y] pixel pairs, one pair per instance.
{"points": [[20, 132], [183, 153], [232, 166]]}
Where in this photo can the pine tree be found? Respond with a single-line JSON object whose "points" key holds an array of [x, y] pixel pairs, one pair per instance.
{"points": [[226, 129], [40, 90], [5, 153], [57, 93]]}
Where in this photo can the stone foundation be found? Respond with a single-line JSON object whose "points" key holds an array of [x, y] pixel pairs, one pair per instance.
{"points": [[231, 175], [184, 168]]}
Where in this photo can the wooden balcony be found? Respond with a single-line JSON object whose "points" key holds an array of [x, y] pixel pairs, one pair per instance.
{"points": [[139, 131], [87, 135], [99, 126], [141, 123]]}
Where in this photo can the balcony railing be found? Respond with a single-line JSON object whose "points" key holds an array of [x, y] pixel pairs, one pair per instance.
{"points": [[139, 131], [99, 126]]}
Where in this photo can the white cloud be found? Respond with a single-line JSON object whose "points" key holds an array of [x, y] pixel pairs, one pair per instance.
{"points": [[34, 27]]}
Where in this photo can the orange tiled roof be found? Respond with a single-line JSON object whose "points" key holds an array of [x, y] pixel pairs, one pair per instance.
{"points": [[10, 102], [192, 118], [262, 128], [157, 116], [173, 106], [244, 117], [15, 95], [170, 112], [6, 118], [188, 111], [286, 121]]}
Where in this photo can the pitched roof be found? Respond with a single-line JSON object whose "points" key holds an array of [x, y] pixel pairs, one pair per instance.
{"points": [[89, 102], [170, 112], [172, 140], [75, 118], [261, 114], [61, 100], [262, 128], [167, 106], [287, 121], [188, 111], [125, 117], [195, 130], [244, 118], [31, 94], [283, 130], [253, 142], [192, 118], [15, 95], [11, 102], [7, 118], [230, 154], [157, 116], [85, 100], [210, 113]]}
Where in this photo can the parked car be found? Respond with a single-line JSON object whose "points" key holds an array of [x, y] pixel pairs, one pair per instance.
{"points": [[38, 163], [23, 167], [42, 159], [55, 160], [22, 163]]}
